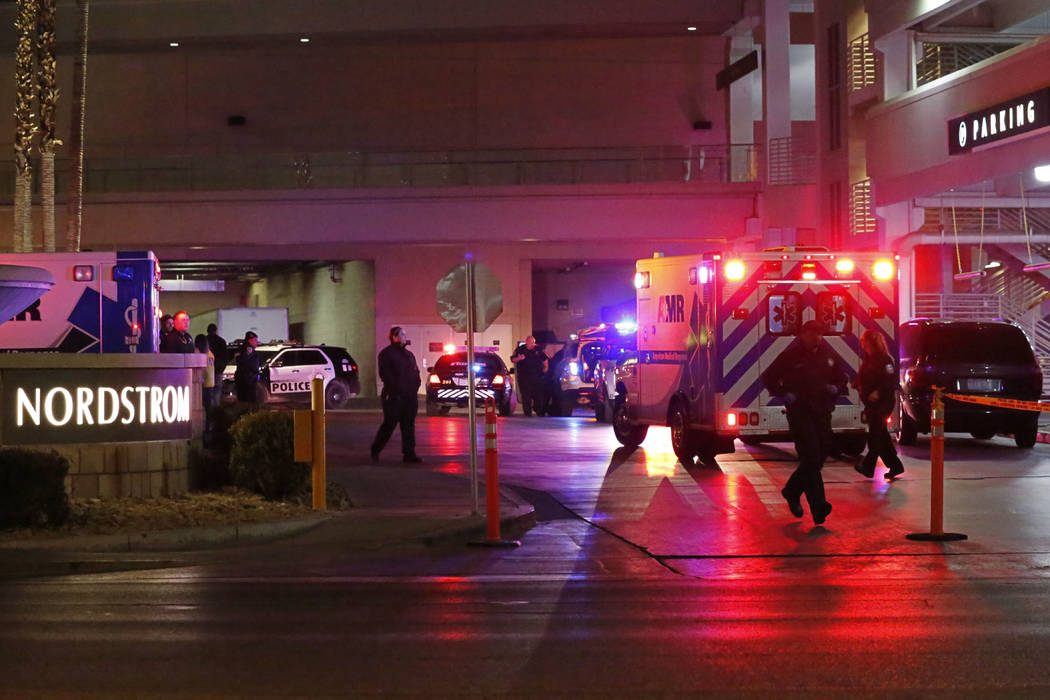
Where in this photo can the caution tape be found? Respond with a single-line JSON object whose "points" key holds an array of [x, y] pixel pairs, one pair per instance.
{"points": [[1015, 404]]}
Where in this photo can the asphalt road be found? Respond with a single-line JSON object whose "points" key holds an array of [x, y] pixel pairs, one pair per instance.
{"points": [[641, 578]]}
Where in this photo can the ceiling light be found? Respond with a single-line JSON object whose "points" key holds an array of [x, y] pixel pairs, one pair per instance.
{"points": [[992, 265], [304, 40], [691, 29], [1042, 173], [174, 44]]}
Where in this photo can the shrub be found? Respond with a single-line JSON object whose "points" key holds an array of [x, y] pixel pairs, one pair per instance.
{"points": [[32, 488], [261, 456]]}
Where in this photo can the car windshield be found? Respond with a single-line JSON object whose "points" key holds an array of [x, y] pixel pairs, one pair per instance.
{"points": [[970, 344], [483, 362]]}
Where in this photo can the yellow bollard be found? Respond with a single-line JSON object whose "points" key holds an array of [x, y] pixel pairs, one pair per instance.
{"points": [[936, 533], [318, 442]]}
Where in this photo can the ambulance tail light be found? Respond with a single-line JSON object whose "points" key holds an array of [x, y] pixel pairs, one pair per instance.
{"points": [[844, 266], [734, 270], [883, 270], [731, 420]]}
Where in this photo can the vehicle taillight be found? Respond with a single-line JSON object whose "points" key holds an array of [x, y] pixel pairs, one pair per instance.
{"points": [[731, 420], [734, 270], [434, 379], [497, 380], [844, 266]]}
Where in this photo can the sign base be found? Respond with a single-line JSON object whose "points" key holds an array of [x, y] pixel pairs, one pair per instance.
{"points": [[932, 537]]}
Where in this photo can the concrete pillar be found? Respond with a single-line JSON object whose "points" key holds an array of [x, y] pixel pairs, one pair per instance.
{"points": [[898, 63], [777, 68]]}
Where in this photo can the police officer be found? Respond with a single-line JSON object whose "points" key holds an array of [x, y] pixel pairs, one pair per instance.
{"points": [[246, 378], [877, 384], [179, 339], [218, 347], [808, 376], [531, 367], [400, 376]]}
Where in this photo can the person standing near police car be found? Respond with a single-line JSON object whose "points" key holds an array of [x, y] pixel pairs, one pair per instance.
{"points": [[808, 377], [400, 396], [877, 384], [530, 364], [246, 378]]}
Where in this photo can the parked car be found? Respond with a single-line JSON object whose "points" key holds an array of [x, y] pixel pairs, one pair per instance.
{"points": [[573, 371], [447, 383], [968, 357], [620, 345], [286, 371]]}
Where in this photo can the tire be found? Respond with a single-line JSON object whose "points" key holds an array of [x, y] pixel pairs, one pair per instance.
{"points": [[337, 394], [851, 444], [627, 433], [983, 434], [909, 431], [603, 408], [1027, 434], [683, 441], [751, 440]]}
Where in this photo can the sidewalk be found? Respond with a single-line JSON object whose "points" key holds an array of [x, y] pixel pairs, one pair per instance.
{"points": [[392, 504]]}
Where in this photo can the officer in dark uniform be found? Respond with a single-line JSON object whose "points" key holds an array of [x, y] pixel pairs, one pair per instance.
{"points": [[531, 367], [877, 384], [808, 376], [400, 376], [246, 378], [179, 340]]}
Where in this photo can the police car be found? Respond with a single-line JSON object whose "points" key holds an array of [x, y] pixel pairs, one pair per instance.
{"points": [[447, 383], [286, 371]]}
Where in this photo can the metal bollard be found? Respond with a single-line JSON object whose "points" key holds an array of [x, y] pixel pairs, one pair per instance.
{"points": [[936, 533], [318, 438]]}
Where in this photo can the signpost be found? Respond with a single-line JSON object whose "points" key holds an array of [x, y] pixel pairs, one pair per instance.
{"points": [[470, 298]]}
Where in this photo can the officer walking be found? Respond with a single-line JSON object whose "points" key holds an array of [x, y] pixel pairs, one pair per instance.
{"points": [[531, 367], [808, 376], [400, 376], [877, 384], [246, 378]]}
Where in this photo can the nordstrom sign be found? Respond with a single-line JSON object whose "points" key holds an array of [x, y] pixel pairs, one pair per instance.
{"points": [[1005, 120], [95, 405]]}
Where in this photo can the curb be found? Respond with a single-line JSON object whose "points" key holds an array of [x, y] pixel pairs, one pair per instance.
{"points": [[180, 539], [517, 519]]}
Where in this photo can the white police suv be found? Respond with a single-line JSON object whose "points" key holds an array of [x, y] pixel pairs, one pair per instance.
{"points": [[286, 370]]}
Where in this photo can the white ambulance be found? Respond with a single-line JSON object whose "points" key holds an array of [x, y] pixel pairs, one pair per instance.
{"points": [[710, 324]]}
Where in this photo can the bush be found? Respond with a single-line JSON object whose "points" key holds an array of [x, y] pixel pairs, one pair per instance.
{"points": [[261, 456], [32, 488]]}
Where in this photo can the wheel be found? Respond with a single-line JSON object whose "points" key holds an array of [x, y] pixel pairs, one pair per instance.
{"points": [[627, 433], [751, 440], [682, 439], [909, 431], [983, 434], [603, 408], [1026, 434], [337, 394]]}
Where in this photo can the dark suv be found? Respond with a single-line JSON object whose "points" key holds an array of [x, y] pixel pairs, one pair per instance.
{"points": [[968, 357], [447, 383]]}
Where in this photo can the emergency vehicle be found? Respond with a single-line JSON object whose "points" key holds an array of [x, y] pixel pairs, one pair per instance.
{"points": [[100, 302], [710, 324]]}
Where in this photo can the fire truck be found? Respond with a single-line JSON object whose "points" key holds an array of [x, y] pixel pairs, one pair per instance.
{"points": [[710, 324]]}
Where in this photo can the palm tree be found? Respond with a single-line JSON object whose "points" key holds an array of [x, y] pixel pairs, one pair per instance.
{"points": [[74, 216], [48, 97], [25, 24]]}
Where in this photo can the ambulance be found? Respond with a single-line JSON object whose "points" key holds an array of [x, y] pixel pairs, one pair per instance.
{"points": [[710, 324], [101, 302]]}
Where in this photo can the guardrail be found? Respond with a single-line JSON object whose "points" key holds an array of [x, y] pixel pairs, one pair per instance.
{"points": [[369, 169]]}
